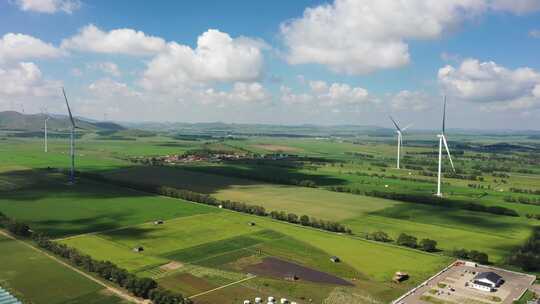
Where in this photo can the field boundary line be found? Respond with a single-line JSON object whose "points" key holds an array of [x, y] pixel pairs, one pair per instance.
{"points": [[124, 295], [221, 287]]}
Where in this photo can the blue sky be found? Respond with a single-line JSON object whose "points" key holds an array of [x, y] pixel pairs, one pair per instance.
{"points": [[287, 62]]}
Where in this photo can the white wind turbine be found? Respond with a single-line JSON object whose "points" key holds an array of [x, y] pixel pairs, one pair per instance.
{"points": [[45, 130], [72, 141], [399, 132], [442, 140]]}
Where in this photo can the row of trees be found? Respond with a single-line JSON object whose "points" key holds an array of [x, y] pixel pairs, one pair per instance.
{"points": [[527, 256], [533, 216], [522, 200], [405, 240], [145, 288], [429, 200], [529, 191], [305, 220], [473, 255], [226, 204]]}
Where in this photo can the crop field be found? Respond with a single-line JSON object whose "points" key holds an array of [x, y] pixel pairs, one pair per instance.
{"points": [[28, 273], [199, 248], [452, 228], [226, 241], [45, 202]]}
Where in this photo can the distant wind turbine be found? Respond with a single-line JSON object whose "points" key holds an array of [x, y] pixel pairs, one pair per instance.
{"points": [[399, 132], [72, 141], [442, 140], [45, 130]]}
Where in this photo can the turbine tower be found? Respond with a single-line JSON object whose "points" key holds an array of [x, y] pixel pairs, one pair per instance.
{"points": [[46, 119], [71, 142], [442, 140], [399, 132]]}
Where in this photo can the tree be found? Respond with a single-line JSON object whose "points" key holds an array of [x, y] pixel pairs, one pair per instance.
{"points": [[407, 240], [292, 218], [479, 257], [379, 236], [304, 220], [428, 245]]}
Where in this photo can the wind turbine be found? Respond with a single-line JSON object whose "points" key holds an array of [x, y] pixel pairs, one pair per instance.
{"points": [[72, 141], [442, 140], [45, 129], [399, 132]]}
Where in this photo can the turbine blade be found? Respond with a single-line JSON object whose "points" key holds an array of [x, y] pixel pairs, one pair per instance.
{"points": [[444, 115], [395, 123], [408, 126], [448, 151], [69, 110]]}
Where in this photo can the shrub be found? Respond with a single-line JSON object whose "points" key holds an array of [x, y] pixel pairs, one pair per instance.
{"points": [[407, 240]]}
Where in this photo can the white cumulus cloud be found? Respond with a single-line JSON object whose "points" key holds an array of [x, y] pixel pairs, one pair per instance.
{"points": [[406, 100], [49, 6], [241, 92], [107, 67], [118, 41], [107, 88], [15, 47], [493, 85], [362, 36], [25, 80], [217, 58], [328, 95]]}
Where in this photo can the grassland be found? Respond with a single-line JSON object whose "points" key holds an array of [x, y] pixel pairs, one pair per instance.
{"points": [[452, 228], [47, 204], [212, 247], [36, 278], [366, 257]]}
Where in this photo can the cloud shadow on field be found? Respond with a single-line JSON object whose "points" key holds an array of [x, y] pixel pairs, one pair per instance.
{"points": [[210, 179], [451, 217]]}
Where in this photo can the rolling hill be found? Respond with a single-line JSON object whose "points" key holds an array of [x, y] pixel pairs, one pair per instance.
{"points": [[15, 121]]}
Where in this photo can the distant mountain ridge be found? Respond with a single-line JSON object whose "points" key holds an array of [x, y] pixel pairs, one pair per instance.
{"points": [[15, 121]]}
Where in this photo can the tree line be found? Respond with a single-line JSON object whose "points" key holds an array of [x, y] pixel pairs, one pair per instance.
{"points": [[473, 255], [429, 200], [522, 200], [405, 240], [192, 196], [527, 191], [527, 257], [145, 288]]}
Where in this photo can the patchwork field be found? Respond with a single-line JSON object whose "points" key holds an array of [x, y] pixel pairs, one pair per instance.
{"points": [[226, 241], [200, 248], [36, 278], [451, 228]]}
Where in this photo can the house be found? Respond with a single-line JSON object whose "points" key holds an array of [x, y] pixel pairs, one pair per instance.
{"points": [[486, 281], [335, 259], [138, 249]]}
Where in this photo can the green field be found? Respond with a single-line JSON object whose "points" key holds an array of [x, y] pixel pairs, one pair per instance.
{"points": [[36, 278], [452, 228], [171, 239], [201, 247], [49, 205]]}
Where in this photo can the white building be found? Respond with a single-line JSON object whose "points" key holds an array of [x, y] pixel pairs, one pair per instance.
{"points": [[486, 281]]}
